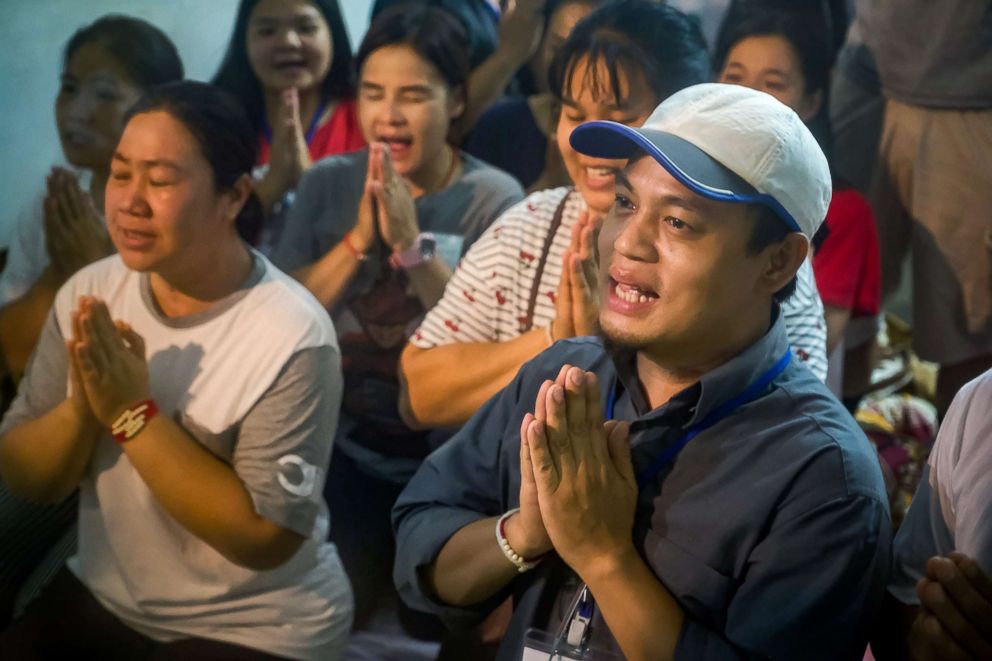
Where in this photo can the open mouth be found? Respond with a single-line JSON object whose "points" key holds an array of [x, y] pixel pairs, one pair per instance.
{"points": [[293, 65], [628, 297], [135, 239], [633, 294], [599, 177], [398, 145]]}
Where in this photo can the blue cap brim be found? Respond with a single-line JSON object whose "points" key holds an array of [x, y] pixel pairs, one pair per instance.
{"points": [[690, 165]]}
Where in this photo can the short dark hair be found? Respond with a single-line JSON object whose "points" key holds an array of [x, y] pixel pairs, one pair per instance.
{"points": [[432, 32], [477, 18], [147, 55], [769, 229], [641, 35], [236, 76], [806, 31], [221, 128]]}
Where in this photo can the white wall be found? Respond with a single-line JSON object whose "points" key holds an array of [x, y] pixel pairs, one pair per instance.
{"points": [[32, 34]]}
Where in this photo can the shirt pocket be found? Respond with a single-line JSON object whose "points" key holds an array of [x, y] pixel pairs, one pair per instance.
{"points": [[702, 590]]}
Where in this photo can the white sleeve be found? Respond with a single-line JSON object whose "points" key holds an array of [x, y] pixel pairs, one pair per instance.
{"points": [[27, 255], [961, 470], [467, 312], [804, 323], [952, 508]]}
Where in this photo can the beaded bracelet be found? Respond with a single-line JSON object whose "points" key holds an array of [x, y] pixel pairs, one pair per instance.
{"points": [[133, 420], [521, 563]]}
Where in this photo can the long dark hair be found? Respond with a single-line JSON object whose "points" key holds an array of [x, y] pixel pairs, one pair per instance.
{"points": [[221, 128], [433, 33], [236, 76], [642, 35], [147, 55]]}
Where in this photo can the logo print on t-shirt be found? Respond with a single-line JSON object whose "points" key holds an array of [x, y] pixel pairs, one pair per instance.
{"points": [[301, 481]]}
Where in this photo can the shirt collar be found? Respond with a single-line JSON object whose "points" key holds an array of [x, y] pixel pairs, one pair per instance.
{"points": [[734, 376], [716, 386]]}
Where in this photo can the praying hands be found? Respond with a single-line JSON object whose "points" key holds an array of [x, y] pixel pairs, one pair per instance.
{"points": [[107, 361], [579, 469]]}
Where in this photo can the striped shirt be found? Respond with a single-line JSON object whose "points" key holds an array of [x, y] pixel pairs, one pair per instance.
{"points": [[488, 296]]}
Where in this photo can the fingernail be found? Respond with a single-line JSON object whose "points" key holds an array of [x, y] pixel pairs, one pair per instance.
{"points": [[575, 377], [558, 394]]}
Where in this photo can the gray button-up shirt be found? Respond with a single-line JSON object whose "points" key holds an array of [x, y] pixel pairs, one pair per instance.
{"points": [[770, 528]]}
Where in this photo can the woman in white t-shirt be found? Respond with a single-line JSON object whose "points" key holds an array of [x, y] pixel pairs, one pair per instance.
{"points": [[189, 390], [106, 66]]}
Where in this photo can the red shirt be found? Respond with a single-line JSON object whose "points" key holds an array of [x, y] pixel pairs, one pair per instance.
{"points": [[339, 134], [847, 266]]}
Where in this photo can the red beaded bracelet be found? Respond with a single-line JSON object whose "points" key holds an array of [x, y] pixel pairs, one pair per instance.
{"points": [[133, 420]]}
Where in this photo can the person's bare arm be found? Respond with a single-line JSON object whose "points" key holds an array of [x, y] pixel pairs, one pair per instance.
{"points": [[520, 32], [200, 491], [328, 278], [471, 567], [44, 459], [836, 319], [443, 386], [21, 322], [206, 497]]}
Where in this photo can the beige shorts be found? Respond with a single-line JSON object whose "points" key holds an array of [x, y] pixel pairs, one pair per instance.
{"points": [[932, 194]]}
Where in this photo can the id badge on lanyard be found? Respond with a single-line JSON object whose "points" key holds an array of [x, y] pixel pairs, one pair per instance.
{"points": [[571, 641]]}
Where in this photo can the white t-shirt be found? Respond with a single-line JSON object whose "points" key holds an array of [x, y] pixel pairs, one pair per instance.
{"points": [[488, 296], [27, 254], [255, 379], [952, 509]]}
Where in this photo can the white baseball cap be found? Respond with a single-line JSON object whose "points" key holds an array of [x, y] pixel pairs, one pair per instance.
{"points": [[728, 143]]}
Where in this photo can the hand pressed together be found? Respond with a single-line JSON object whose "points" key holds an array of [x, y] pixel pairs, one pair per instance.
{"points": [[108, 361], [75, 232], [290, 156], [386, 207], [577, 299], [955, 619], [521, 29], [583, 476]]}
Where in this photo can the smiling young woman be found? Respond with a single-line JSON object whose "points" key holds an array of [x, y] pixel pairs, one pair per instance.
{"points": [[289, 62]]}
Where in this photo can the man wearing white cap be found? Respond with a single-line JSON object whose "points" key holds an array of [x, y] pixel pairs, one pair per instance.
{"points": [[680, 488]]}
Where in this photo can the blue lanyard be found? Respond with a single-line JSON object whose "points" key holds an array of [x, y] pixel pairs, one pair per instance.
{"points": [[267, 130], [716, 415]]}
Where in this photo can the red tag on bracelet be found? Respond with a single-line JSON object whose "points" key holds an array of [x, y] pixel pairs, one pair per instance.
{"points": [[133, 420]]}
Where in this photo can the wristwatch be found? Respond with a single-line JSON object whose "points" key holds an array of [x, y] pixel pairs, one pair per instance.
{"points": [[420, 252]]}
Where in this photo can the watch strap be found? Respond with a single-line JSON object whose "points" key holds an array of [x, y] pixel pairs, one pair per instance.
{"points": [[420, 252]]}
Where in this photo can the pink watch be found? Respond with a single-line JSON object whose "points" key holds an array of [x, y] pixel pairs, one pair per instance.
{"points": [[420, 252]]}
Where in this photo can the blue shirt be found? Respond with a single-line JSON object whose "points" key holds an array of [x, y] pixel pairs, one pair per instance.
{"points": [[770, 528]]}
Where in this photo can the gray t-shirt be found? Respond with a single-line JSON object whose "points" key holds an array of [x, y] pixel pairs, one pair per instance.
{"points": [[379, 311], [256, 381], [934, 53]]}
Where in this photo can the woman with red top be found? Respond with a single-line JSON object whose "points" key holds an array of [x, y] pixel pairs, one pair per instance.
{"points": [[289, 63], [788, 55]]}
